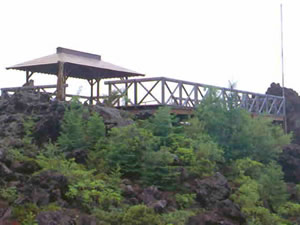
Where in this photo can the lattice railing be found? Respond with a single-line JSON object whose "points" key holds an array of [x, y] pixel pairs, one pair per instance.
{"points": [[166, 91]]}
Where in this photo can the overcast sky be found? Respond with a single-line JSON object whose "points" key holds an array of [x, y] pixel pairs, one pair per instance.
{"points": [[203, 41]]}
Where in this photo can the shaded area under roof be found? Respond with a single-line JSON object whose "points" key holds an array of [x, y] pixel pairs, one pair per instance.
{"points": [[76, 64]]}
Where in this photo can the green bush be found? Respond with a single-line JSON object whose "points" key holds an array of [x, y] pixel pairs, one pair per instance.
{"points": [[272, 187], [239, 134], [72, 128], [178, 217], [185, 200], [9, 194], [141, 215], [126, 148], [95, 129]]}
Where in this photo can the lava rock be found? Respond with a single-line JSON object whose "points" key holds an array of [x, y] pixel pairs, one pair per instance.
{"points": [[211, 190]]}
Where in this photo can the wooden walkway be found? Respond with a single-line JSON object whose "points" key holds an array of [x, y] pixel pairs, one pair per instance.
{"points": [[150, 93]]}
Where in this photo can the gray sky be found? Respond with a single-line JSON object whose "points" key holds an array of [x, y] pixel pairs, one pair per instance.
{"points": [[209, 42]]}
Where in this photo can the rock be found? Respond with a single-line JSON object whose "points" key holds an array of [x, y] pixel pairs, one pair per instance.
{"points": [[292, 109], [2, 154], [80, 155], [46, 187], [150, 195], [65, 217], [159, 206], [26, 167], [290, 161], [211, 190], [227, 213], [112, 116], [5, 172]]}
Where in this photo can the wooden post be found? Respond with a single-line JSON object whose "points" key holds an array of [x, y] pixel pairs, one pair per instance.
{"points": [[196, 95], [126, 93], [180, 93], [135, 93], [91, 82], [98, 90], [60, 95], [163, 91]]}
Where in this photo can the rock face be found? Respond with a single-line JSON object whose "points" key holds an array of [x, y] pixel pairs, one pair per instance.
{"points": [[290, 162], [226, 213], [292, 109], [211, 190], [47, 115], [65, 217]]}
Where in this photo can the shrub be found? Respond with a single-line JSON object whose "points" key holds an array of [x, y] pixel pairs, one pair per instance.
{"points": [[141, 215], [95, 129], [272, 187], [178, 217], [126, 148], [185, 200], [9, 194], [238, 133], [72, 128]]}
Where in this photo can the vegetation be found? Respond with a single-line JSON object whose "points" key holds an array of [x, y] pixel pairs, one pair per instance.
{"points": [[156, 152]]}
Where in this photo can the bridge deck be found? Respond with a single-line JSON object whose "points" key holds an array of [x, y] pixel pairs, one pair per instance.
{"points": [[136, 95]]}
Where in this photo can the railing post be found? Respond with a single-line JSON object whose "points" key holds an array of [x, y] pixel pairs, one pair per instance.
{"points": [[195, 95], [163, 82], [135, 93], [180, 93]]}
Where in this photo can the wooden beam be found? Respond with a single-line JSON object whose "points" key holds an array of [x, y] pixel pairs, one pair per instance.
{"points": [[60, 94]]}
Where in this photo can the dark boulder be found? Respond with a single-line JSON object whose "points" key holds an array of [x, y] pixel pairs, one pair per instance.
{"points": [[79, 155], [46, 187], [65, 217], [211, 190], [292, 109], [226, 213], [290, 161]]}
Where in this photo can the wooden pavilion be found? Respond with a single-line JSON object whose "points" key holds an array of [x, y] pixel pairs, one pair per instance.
{"points": [[67, 63]]}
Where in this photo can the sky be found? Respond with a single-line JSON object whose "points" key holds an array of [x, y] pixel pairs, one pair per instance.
{"points": [[211, 42]]}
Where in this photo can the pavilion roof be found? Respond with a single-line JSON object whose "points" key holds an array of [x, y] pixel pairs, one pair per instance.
{"points": [[76, 64]]}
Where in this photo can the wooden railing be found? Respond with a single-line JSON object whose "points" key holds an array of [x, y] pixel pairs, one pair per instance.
{"points": [[178, 93]]}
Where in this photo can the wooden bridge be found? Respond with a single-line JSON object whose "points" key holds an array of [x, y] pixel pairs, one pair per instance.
{"points": [[136, 95], [183, 96]]}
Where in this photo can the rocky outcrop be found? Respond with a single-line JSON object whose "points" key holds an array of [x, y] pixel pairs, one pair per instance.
{"points": [[211, 190], [292, 109], [290, 161], [47, 115], [226, 213], [65, 217]]}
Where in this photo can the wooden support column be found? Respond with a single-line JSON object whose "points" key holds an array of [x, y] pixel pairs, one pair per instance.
{"points": [[98, 90], [28, 76], [126, 93], [135, 93], [196, 95], [92, 83], [60, 93]]}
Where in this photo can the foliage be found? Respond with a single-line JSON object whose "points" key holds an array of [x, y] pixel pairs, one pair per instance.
{"points": [[185, 200], [72, 128], [27, 213], [161, 122], [178, 217], [95, 129], [289, 209], [157, 169], [141, 215], [127, 147], [94, 193], [9, 194], [238, 133], [273, 189]]}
